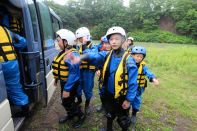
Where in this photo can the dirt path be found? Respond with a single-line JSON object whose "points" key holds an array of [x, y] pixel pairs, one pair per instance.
{"points": [[46, 119]]}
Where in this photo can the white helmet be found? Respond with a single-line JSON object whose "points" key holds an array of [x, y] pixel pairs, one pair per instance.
{"points": [[83, 32], [67, 35], [115, 30], [130, 38]]}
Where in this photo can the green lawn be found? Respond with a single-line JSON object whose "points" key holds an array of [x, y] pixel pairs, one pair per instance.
{"points": [[172, 106]]}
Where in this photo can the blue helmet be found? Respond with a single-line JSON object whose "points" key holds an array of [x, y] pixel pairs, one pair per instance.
{"points": [[139, 50], [104, 39]]}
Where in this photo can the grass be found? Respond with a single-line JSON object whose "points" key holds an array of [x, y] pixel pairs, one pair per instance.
{"points": [[170, 106], [173, 104], [174, 101]]}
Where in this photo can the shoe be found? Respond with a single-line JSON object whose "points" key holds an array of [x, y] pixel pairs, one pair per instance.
{"points": [[87, 107], [79, 122], [133, 119], [100, 109], [24, 112], [63, 119], [87, 110]]}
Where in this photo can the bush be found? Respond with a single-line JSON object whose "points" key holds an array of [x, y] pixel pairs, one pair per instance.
{"points": [[161, 37]]}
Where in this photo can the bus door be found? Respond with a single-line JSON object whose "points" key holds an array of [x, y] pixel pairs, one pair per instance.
{"points": [[48, 48], [30, 59]]}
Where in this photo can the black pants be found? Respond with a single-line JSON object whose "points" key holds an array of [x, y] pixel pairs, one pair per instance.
{"points": [[69, 103], [114, 109]]}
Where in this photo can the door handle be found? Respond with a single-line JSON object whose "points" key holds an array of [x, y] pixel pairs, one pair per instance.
{"points": [[47, 62]]}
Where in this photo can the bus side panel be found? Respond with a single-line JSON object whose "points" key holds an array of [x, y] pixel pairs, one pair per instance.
{"points": [[50, 85], [3, 94], [6, 124], [9, 126], [49, 56], [2, 87]]}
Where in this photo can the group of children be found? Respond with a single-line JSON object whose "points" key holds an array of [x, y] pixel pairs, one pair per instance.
{"points": [[121, 75]]}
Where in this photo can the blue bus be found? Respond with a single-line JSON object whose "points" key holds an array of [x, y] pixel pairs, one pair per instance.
{"points": [[38, 24]]}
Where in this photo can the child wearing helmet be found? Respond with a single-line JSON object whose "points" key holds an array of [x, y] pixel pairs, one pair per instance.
{"points": [[68, 75], [119, 78], [139, 53], [130, 43], [103, 46], [87, 70]]}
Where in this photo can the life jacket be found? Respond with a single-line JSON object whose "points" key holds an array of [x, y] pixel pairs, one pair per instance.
{"points": [[15, 25], [121, 75], [85, 64], [141, 76], [60, 70], [7, 51]]}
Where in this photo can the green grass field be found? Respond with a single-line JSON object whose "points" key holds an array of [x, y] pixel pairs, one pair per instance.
{"points": [[172, 106]]}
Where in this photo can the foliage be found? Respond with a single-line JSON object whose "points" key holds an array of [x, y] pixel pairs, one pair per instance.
{"points": [[99, 15], [161, 37]]}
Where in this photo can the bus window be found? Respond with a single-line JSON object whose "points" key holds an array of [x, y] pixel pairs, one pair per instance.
{"points": [[32, 10], [55, 25], [60, 24], [46, 25]]}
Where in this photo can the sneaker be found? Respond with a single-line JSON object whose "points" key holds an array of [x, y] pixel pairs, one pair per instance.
{"points": [[133, 120], [100, 109], [87, 110], [63, 119], [79, 122]]}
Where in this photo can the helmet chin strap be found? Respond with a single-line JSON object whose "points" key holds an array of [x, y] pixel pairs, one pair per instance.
{"points": [[119, 52], [118, 49]]}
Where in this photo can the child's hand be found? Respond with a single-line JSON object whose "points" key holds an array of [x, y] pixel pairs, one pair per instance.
{"points": [[66, 94], [74, 59], [126, 104], [155, 82], [98, 73]]}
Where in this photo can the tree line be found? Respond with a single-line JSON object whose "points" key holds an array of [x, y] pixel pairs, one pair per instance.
{"points": [[139, 15]]}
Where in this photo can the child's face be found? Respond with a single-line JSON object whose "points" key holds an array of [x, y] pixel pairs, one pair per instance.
{"points": [[138, 57], [107, 46], [83, 40], [129, 42], [60, 43], [116, 41]]}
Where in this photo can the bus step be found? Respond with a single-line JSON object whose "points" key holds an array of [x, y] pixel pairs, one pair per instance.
{"points": [[18, 121]]}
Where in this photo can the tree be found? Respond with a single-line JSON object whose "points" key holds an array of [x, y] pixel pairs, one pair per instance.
{"points": [[99, 15]]}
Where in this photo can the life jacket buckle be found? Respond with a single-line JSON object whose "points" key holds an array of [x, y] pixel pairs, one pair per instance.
{"points": [[120, 82]]}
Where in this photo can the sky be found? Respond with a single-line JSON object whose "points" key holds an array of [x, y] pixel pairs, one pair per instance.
{"points": [[62, 2]]}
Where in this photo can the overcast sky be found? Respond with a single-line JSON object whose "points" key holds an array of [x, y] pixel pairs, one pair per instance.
{"points": [[62, 2]]}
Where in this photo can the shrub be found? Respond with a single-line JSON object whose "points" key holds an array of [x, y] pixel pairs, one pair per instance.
{"points": [[161, 37]]}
